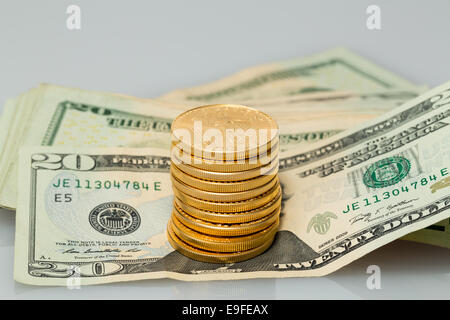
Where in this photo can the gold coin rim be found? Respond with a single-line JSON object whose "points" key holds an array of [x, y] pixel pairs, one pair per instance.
{"points": [[238, 206], [222, 196], [220, 186], [225, 229], [213, 257], [228, 166], [229, 155], [220, 243], [271, 168], [231, 217], [225, 153]]}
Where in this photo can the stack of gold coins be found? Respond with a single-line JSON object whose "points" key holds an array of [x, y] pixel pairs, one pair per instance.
{"points": [[224, 170]]}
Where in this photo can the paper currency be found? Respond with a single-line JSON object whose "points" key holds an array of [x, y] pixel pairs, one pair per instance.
{"points": [[52, 115], [99, 215], [324, 81], [57, 116], [303, 122], [334, 72], [437, 234]]}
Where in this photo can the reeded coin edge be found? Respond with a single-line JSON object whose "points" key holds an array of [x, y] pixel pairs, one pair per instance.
{"points": [[223, 196], [220, 186], [225, 229], [231, 217], [245, 205], [213, 257]]}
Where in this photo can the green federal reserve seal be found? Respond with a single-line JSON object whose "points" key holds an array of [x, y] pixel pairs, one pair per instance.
{"points": [[386, 172]]}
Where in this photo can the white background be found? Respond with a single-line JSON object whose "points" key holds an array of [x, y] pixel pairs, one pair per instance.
{"points": [[146, 48]]}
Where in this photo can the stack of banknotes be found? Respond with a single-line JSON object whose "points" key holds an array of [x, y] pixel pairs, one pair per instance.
{"points": [[364, 160]]}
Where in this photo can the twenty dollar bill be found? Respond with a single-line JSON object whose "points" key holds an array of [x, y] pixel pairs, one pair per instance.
{"points": [[100, 215], [330, 73], [57, 116]]}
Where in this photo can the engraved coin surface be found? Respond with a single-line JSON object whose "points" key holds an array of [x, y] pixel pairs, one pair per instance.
{"points": [[233, 123]]}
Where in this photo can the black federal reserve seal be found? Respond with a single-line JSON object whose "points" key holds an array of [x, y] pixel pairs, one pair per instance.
{"points": [[114, 219]]}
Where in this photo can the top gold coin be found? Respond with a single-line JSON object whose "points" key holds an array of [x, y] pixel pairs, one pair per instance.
{"points": [[224, 132]]}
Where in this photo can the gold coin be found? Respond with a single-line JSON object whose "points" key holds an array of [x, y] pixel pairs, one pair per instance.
{"points": [[220, 120], [213, 257], [222, 244], [220, 186], [238, 206], [231, 217], [257, 161], [224, 229], [268, 169], [223, 196], [210, 155]]}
